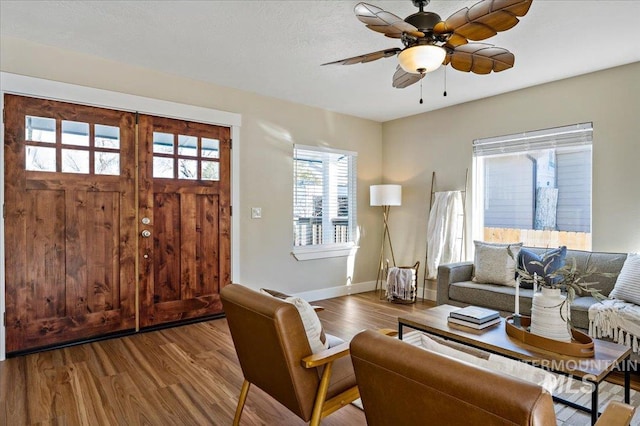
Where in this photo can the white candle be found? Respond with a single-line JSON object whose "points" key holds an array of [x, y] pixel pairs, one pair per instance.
{"points": [[517, 312], [535, 282]]}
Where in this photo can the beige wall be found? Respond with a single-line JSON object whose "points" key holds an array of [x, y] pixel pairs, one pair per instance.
{"points": [[412, 149], [440, 141], [269, 129]]}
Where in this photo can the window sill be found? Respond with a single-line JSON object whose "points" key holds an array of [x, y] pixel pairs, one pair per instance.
{"points": [[324, 251]]}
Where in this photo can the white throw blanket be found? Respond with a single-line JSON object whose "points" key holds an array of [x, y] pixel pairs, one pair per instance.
{"points": [[400, 283], [444, 231], [617, 320]]}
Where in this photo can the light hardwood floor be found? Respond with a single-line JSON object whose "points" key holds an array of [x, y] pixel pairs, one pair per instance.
{"points": [[187, 375]]}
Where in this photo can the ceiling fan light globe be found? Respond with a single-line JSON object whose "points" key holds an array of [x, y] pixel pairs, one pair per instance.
{"points": [[421, 59]]}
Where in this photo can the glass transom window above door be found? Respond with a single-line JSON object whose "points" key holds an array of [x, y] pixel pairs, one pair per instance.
{"points": [[190, 157]]}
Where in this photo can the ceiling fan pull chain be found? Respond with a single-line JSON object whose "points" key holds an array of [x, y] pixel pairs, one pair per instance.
{"points": [[445, 82], [421, 77]]}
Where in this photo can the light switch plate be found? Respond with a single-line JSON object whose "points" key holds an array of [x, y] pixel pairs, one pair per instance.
{"points": [[256, 212]]}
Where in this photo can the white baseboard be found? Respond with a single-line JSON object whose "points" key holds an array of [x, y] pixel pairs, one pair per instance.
{"points": [[428, 294], [343, 290]]}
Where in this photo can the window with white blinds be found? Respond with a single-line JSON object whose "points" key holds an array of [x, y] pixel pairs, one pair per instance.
{"points": [[324, 196], [534, 187]]}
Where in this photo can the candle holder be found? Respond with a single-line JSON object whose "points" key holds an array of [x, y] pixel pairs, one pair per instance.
{"points": [[517, 320]]}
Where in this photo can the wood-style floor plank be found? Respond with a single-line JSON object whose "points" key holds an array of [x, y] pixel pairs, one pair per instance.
{"points": [[187, 375]]}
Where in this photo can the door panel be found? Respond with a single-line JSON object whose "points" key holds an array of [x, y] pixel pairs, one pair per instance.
{"points": [[189, 222], [188, 253], [70, 236], [45, 248]]}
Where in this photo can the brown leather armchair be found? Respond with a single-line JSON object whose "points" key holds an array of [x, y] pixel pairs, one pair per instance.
{"points": [[275, 355], [406, 385]]}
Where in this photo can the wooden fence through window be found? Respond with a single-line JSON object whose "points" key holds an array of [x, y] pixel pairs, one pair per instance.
{"points": [[539, 238]]}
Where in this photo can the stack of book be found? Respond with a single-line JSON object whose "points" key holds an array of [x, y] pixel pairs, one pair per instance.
{"points": [[474, 317]]}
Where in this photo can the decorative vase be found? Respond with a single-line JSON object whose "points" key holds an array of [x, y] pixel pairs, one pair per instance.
{"points": [[549, 313]]}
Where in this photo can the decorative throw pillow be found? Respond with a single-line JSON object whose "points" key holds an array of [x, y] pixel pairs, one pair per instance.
{"points": [[312, 325], [274, 293], [544, 265], [493, 265], [627, 285]]}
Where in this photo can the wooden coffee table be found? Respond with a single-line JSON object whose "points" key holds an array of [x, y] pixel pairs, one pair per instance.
{"points": [[608, 356]]}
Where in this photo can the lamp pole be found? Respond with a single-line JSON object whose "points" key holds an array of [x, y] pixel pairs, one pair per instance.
{"points": [[386, 236], [385, 196]]}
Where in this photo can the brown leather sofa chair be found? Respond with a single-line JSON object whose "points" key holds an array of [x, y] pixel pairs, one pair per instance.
{"points": [[406, 385], [275, 355]]}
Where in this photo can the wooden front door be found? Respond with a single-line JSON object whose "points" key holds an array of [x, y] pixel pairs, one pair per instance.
{"points": [[69, 222], [184, 200], [74, 210]]}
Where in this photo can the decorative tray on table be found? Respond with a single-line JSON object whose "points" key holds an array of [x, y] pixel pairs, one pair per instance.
{"points": [[581, 344]]}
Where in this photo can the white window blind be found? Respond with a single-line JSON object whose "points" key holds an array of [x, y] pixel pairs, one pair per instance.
{"points": [[324, 196], [557, 137]]}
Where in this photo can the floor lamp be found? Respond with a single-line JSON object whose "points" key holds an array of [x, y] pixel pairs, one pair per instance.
{"points": [[385, 196]]}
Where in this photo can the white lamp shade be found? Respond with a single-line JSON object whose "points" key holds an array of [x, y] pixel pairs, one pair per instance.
{"points": [[385, 195], [424, 57]]}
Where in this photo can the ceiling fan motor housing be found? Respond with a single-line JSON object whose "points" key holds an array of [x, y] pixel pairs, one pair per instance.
{"points": [[424, 21]]}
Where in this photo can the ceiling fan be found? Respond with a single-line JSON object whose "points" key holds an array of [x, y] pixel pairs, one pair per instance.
{"points": [[430, 42]]}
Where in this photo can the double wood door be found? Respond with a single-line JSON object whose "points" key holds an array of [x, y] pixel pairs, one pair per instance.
{"points": [[114, 221]]}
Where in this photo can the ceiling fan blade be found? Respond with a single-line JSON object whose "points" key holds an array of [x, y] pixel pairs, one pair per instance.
{"points": [[455, 40], [480, 58], [402, 79], [484, 19], [381, 21], [368, 57]]}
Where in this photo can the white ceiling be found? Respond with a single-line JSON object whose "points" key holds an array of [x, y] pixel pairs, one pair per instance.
{"points": [[275, 48]]}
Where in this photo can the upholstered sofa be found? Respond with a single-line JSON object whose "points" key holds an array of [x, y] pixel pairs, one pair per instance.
{"points": [[455, 286]]}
